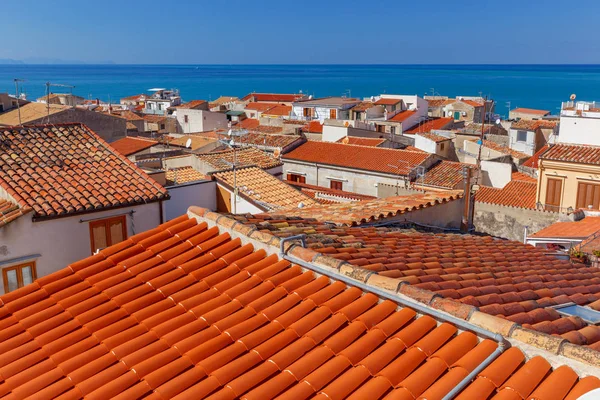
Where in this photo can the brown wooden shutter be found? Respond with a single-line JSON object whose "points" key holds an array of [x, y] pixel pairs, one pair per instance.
{"points": [[553, 193]]}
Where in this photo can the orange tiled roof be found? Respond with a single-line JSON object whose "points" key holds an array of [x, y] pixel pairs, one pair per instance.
{"points": [[472, 103], [68, 169], [433, 137], [332, 194], [430, 125], [363, 106], [10, 211], [262, 107], [533, 162], [269, 129], [387, 102], [135, 97], [262, 189], [274, 97], [279, 110], [269, 140], [192, 104], [517, 282], [532, 125], [516, 193], [576, 229], [132, 144], [440, 102], [358, 157], [502, 149], [313, 127], [126, 114], [154, 118], [248, 123], [372, 142], [445, 174], [583, 154], [185, 311], [530, 111], [180, 175], [368, 211], [402, 116], [250, 156], [197, 141]]}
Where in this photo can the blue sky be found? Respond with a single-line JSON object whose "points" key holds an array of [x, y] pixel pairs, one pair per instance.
{"points": [[309, 31]]}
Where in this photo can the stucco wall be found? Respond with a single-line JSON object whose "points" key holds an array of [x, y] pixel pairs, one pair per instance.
{"points": [[528, 146], [510, 222], [107, 127], [200, 120], [579, 130], [202, 194], [496, 174], [570, 174], [63, 241]]}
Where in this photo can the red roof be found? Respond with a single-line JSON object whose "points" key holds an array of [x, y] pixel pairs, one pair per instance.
{"points": [[445, 174], [373, 142], [313, 127], [530, 111], [430, 125], [387, 102], [311, 190], [185, 311], [131, 145], [249, 123], [10, 211], [573, 229], [516, 193], [433, 137], [192, 104], [533, 162], [366, 158], [402, 116], [135, 97], [472, 103], [532, 125], [68, 169], [262, 107], [502, 149], [583, 154], [273, 97], [279, 110]]}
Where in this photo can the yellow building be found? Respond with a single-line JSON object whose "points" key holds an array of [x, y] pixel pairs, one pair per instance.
{"points": [[569, 178]]}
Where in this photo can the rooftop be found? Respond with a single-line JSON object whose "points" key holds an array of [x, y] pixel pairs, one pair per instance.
{"points": [[440, 102], [197, 141], [472, 103], [250, 156], [192, 104], [530, 111], [132, 144], [533, 162], [279, 110], [362, 106], [248, 123], [269, 140], [313, 127], [135, 97], [367, 158], [190, 312], [10, 211], [444, 174], [372, 142], [67, 169], [434, 137], [181, 175], [325, 195], [581, 229], [328, 102], [531, 125], [520, 192], [387, 102], [262, 107], [430, 125], [502, 149], [30, 112], [262, 189], [274, 97], [372, 210], [583, 154], [269, 129], [223, 100], [402, 116]]}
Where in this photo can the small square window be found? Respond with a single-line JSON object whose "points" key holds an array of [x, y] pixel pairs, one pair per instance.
{"points": [[17, 276], [337, 185], [522, 136]]}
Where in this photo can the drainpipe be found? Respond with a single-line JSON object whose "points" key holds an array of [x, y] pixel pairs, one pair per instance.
{"points": [[525, 234], [503, 344]]}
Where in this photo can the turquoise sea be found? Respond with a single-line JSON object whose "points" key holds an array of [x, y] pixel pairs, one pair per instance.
{"points": [[533, 86]]}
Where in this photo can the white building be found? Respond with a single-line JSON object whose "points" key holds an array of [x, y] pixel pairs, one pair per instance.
{"points": [[162, 99], [191, 120], [580, 123], [323, 108]]}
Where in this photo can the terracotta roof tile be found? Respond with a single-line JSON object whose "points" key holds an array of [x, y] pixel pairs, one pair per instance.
{"points": [[387, 101], [263, 189], [363, 106], [444, 174], [440, 102], [402, 116], [268, 129], [196, 141], [431, 125], [132, 144], [358, 157], [530, 111], [472, 103], [434, 137], [533, 162], [30, 113], [262, 107], [249, 123], [203, 315], [270, 140], [274, 97], [279, 110], [584, 154], [531, 125], [68, 169], [373, 142], [191, 104], [313, 127], [178, 176], [576, 229], [222, 160], [10, 211], [502, 149], [326, 195]]}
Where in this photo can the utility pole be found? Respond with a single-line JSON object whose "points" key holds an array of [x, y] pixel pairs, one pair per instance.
{"points": [[17, 80], [465, 222], [48, 84]]}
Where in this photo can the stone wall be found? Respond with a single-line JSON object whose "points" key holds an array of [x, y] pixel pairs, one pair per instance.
{"points": [[510, 222]]}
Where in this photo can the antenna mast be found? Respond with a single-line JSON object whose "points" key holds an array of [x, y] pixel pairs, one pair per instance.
{"points": [[17, 80], [48, 84]]}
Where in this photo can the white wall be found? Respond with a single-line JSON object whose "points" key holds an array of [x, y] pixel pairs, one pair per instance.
{"points": [[526, 147], [579, 130], [425, 144], [62, 241], [334, 133], [200, 120], [202, 194], [496, 174]]}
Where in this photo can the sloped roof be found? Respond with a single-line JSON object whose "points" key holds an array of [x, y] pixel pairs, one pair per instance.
{"points": [[583, 154], [68, 169], [440, 102], [279, 110], [519, 192], [502, 149], [430, 125], [273, 97], [248, 123], [180, 175], [531, 125], [371, 142], [387, 101], [363, 106], [368, 211], [402, 116], [444, 174], [472, 103], [533, 162], [434, 137], [262, 107], [313, 127], [366, 158], [197, 141], [331, 195], [188, 312], [268, 129], [530, 111], [132, 144], [135, 97], [191, 104], [30, 112], [250, 156], [581, 229], [269, 140], [10, 211], [264, 190]]}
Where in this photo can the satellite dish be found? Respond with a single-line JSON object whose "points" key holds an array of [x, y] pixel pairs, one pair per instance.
{"points": [[277, 153], [188, 143], [229, 132], [498, 121], [301, 205], [573, 97], [346, 140]]}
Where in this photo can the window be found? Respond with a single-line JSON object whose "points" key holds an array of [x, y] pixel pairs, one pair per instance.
{"points": [[185, 119], [553, 194], [307, 112], [333, 113], [522, 136], [442, 146], [159, 106], [358, 116], [588, 194], [162, 126], [296, 178], [106, 232], [18, 276], [337, 185], [393, 130]]}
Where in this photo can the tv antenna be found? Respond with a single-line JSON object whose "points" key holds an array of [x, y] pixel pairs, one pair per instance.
{"points": [[17, 80], [48, 85], [188, 143]]}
